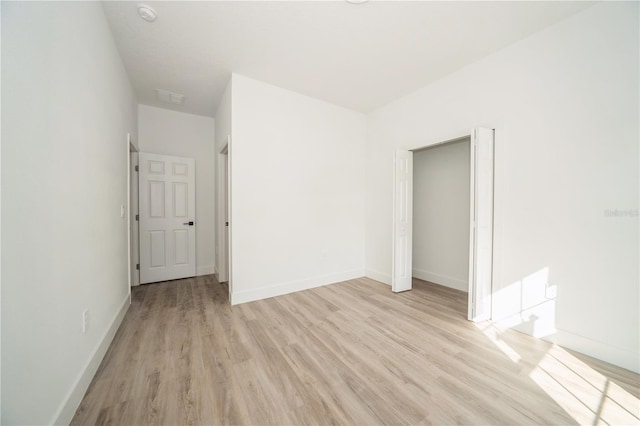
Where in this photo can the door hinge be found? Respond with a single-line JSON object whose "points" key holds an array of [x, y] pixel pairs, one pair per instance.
{"points": [[137, 266], [137, 168], [137, 217]]}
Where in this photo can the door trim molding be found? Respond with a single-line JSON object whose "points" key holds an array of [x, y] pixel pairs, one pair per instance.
{"points": [[133, 250], [223, 267]]}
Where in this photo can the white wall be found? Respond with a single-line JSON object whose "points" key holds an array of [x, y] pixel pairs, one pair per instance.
{"points": [[298, 191], [441, 214], [565, 106], [166, 132], [67, 109]]}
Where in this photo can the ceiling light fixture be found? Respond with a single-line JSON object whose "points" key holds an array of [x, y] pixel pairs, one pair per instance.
{"points": [[357, 1], [147, 13]]}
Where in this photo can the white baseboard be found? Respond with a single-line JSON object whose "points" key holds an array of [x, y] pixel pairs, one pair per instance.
{"points": [[378, 276], [205, 270], [613, 355], [74, 397], [238, 297], [444, 280]]}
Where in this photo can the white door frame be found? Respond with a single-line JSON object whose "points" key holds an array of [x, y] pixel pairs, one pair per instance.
{"points": [[480, 279], [223, 253], [132, 226], [131, 211], [224, 215]]}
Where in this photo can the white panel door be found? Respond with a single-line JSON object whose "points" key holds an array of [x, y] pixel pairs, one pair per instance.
{"points": [[481, 224], [401, 273], [167, 217]]}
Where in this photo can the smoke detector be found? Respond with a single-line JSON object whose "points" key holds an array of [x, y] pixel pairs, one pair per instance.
{"points": [[147, 13]]}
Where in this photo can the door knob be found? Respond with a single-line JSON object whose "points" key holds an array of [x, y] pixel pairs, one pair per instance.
{"points": [[189, 223]]}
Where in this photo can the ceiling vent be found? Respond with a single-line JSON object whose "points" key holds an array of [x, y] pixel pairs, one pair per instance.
{"points": [[170, 97]]}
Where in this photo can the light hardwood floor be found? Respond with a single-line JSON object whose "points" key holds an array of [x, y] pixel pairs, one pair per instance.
{"points": [[349, 353]]}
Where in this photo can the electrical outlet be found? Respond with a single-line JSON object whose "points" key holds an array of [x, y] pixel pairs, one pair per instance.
{"points": [[85, 320], [121, 211]]}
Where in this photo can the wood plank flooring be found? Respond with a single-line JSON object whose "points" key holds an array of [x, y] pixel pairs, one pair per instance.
{"points": [[350, 353]]}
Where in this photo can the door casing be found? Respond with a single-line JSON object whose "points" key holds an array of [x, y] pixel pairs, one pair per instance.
{"points": [[223, 214]]}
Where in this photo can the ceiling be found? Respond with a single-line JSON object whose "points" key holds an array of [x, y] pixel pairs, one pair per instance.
{"points": [[359, 56]]}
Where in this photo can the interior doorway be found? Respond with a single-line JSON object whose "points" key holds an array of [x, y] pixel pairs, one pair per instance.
{"points": [[224, 210], [481, 188]]}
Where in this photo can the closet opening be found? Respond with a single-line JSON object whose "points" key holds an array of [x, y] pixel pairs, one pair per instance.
{"points": [[441, 211], [443, 217]]}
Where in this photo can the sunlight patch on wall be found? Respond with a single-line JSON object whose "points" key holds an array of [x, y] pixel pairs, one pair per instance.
{"points": [[528, 305]]}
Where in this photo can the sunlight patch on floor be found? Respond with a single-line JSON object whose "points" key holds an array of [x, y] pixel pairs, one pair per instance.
{"points": [[585, 394], [493, 333]]}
